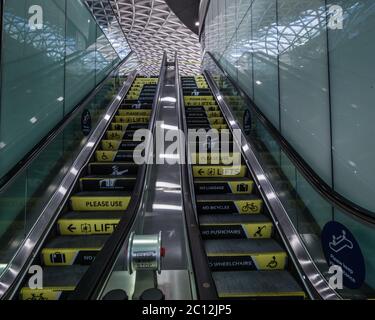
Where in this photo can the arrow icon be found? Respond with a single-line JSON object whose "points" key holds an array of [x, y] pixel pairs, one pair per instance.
{"points": [[201, 172], [72, 228]]}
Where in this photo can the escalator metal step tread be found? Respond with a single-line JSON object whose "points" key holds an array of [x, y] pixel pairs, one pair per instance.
{"points": [[232, 218], [225, 197], [69, 276], [256, 284], [242, 246], [85, 215], [73, 242]]}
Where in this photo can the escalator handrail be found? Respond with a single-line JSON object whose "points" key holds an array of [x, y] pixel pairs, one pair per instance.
{"points": [[205, 285], [328, 193], [7, 180], [314, 282], [93, 281]]}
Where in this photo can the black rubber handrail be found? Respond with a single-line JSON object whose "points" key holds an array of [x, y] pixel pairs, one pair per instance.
{"points": [[333, 197], [7, 180], [205, 285], [94, 279]]}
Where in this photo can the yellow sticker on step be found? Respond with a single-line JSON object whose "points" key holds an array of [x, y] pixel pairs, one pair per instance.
{"points": [[216, 158], [270, 261], [45, 294], [87, 227], [219, 171], [92, 203], [241, 187], [135, 113], [249, 206], [121, 119], [110, 145], [105, 156], [115, 134], [68, 256]]}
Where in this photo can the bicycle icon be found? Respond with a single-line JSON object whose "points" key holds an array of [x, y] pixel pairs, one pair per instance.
{"points": [[38, 297], [250, 207]]}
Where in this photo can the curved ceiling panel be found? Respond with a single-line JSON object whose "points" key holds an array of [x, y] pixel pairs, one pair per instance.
{"points": [[151, 27]]}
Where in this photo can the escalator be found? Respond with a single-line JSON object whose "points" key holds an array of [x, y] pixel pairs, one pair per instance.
{"points": [[98, 202], [245, 253]]}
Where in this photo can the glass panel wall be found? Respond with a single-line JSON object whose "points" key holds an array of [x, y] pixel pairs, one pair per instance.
{"points": [[52, 57], [310, 73], [306, 64]]}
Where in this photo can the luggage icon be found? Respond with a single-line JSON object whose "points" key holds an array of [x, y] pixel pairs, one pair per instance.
{"points": [[57, 257]]}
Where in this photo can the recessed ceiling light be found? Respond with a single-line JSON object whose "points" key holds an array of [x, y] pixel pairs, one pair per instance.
{"points": [[197, 24]]}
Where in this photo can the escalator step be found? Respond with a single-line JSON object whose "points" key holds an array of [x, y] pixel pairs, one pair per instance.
{"points": [[72, 250], [257, 284], [229, 226], [109, 183], [88, 223], [215, 171], [245, 254], [229, 203], [113, 169], [58, 283], [100, 201], [220, 186]]}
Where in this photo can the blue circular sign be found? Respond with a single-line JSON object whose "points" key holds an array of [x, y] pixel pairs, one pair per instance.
{"points": [[341, 249]]}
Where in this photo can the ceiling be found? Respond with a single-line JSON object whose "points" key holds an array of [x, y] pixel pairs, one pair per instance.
{"points": [[150, 27]]}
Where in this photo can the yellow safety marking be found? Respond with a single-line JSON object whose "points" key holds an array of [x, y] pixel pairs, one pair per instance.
{"points": [[105, 156], [116, 126], [198, 98], [256, 230], [219, 171], [191, 103], [209, 107], [92, 203], [135, 112], [215, 121], [262, 294], [214, 114], [241, 187], [47, 293], [66, 256], [109, 145], [122, 119], [87, 227], [262, 260], [132, 97], [219, 126], [249, 206], [215, 158], [115, 135]]}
